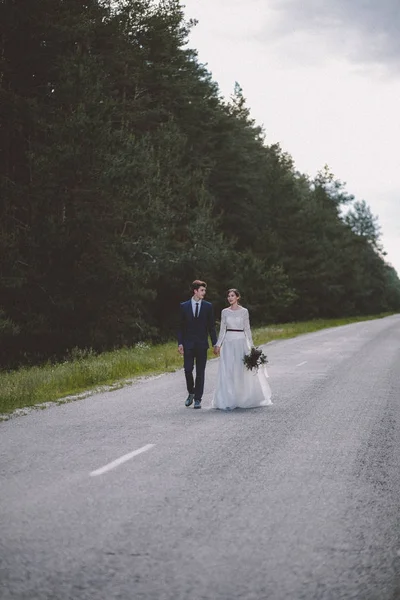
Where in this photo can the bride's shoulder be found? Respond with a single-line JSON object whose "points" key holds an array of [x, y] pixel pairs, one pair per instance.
{"points": [[244, 308]]}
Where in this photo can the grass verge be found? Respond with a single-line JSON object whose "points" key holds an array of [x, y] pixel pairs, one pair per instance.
{"points": [[86, 371]]}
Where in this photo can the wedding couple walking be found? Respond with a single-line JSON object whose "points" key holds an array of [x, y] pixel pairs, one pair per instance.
{"points": [[237, 387]]}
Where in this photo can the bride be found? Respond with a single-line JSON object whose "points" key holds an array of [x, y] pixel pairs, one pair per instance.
{"points": [[237, 387]]}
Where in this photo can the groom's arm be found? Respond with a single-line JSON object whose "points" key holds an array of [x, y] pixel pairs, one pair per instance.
{"points": [[211, 325], [181, 326]]}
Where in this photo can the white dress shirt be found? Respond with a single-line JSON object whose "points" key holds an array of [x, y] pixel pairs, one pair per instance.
{"points": [[194, 302]]}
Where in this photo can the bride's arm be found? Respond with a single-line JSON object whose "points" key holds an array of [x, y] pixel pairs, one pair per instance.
{"points": [[246, 327], [222, 330]]}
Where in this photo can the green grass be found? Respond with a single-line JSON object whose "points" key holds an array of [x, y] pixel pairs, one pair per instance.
{"points": [[28, 387], [263, 335]]}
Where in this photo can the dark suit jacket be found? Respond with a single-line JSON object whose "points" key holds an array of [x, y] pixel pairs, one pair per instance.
{"points": [[194, 332]]}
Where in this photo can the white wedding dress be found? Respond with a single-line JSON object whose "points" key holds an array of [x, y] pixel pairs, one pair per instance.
{"points": [[237, 387]]}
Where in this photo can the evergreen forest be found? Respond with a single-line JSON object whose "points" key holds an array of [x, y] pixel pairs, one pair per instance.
{"points": [[125, 174]]}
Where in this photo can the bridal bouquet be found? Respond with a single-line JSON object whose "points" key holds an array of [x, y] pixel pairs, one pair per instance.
{"points": [[254, 359]]}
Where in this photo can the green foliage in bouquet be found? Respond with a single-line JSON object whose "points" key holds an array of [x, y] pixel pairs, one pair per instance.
{"points": [[255, 359]]}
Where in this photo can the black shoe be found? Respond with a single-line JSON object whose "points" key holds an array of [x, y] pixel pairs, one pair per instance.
{"points": [[197, 404], [189, 400]]}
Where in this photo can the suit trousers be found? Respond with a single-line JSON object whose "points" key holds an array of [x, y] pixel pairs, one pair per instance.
{"points": [[190, 357]]}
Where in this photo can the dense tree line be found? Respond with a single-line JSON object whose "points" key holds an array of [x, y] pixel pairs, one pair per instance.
{"points": [[124, 175]]}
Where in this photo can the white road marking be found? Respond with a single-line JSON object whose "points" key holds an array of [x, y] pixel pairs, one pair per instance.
{"points": [[301, 364], [120, 460]]}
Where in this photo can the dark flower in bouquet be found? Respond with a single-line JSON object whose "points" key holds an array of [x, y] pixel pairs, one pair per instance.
{"points": [[254, 359]]}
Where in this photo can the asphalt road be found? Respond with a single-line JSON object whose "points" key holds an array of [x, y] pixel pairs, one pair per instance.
{"points": [[296, 501]]}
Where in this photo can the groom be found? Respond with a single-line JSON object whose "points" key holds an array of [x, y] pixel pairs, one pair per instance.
{"points": [[196, 324]]}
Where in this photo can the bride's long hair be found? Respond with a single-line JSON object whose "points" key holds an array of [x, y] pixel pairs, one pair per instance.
{"points": [[236, 292]]}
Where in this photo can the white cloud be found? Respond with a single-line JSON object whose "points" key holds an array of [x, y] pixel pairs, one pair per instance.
{"points": [[319, 105], [362, 30]]}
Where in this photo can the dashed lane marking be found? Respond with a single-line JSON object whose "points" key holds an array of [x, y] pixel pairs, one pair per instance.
{"points": [[120, 460]]}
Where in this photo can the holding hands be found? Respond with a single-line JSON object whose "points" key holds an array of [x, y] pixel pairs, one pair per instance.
{"points": [[216, 350]]}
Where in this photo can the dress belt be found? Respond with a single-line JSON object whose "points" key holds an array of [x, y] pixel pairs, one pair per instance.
{"points": [[235, 330]]}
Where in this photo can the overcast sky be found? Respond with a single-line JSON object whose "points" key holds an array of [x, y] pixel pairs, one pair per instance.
{"points": [[323, 77]]}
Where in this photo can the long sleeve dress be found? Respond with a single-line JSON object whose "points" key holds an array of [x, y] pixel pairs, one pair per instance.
{"points": [[237, 387]]}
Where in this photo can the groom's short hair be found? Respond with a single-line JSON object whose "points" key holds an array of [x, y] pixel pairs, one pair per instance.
{"points": [[197, 283]]}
